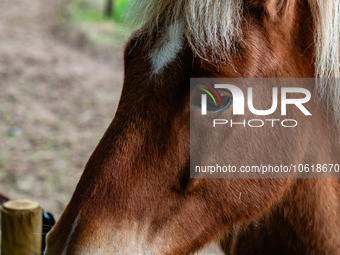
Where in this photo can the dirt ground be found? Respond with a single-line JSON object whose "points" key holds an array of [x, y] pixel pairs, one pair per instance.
{"points": [[56, 100]]}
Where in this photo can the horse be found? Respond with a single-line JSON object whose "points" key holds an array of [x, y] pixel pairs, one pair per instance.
{"points": [[136, 195]]}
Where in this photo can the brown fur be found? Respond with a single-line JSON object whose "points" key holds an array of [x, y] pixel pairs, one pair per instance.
{"points": [[138, 176]]}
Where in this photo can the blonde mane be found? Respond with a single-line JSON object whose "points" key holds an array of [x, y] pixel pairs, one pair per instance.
{"points": [[207, 22], [215, 25], [326, 15]]}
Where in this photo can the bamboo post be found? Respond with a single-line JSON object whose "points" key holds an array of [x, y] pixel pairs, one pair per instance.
{"points": [[21, 226]]}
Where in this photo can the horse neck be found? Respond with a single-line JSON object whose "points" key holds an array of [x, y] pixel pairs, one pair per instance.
{"points": [[310, 209], [311, 206]]}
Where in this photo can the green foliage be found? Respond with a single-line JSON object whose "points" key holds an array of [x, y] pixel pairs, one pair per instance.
{"points": [[85, 10], [93, 10], [120, 8]]}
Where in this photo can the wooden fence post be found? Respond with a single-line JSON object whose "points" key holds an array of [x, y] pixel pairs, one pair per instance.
{"points": [[21, 227], [108, 8]]}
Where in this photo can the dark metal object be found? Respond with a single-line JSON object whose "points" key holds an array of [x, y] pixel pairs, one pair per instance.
{"points": [[47, 223]]}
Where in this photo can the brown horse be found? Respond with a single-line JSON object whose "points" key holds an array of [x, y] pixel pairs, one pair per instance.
{"points": [[136, 195]]}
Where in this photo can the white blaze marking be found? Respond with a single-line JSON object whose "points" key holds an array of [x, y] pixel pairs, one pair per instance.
{"points": [[75, 224], [211, 249], [169, 46]]}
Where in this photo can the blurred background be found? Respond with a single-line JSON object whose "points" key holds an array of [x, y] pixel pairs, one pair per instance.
{"points": [[61, 73]]}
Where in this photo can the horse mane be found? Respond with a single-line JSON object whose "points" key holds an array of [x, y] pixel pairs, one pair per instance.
{"points": [[207, 23], [326, 16], [215, 25]]}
